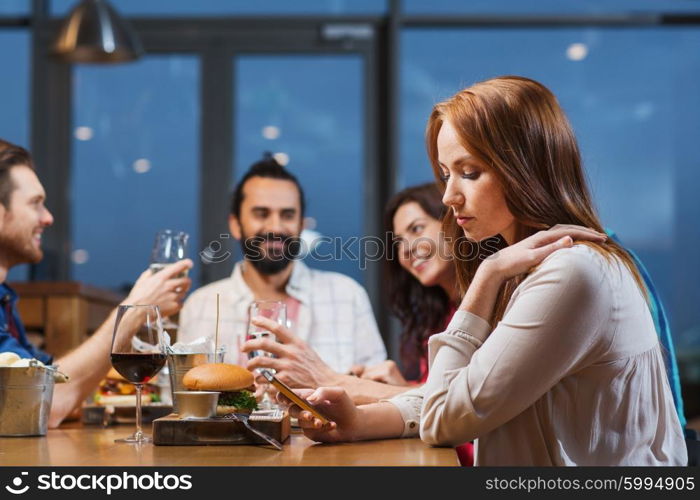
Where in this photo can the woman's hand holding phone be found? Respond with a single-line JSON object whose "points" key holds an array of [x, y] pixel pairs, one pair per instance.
{"points": [[336, 405]]}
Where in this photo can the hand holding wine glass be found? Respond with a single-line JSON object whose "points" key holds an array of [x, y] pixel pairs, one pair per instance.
{"points": [[169, 247], [138, 353], [164, 289]]}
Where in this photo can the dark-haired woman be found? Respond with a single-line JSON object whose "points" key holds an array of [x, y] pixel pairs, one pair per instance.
{"points": [[423, 291]]}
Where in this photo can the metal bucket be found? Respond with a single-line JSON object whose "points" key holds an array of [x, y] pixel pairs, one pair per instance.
{"points": [[25, 400]]}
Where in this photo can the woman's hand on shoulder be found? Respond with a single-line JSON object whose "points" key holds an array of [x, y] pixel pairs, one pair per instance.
{"points": [[522, 256]]}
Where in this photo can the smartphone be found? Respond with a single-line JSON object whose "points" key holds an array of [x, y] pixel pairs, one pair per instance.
{"points": [[292, 396]]}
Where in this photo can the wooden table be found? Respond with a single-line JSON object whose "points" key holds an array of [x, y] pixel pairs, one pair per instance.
{"points": [[76, 445]]}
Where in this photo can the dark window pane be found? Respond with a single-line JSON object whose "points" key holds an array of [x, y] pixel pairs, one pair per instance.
{"points": [[14, 100], [215, 7], [308, 110], [590, 7], [632, 99], [135, 164], [14, 86], [15, 7]]}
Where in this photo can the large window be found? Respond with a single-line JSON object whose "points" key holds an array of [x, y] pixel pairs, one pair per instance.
{"points": [[135, 164], [297, 95]]}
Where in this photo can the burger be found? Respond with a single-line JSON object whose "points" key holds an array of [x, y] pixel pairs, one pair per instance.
{"points": [[235, 383], [115, 390]]}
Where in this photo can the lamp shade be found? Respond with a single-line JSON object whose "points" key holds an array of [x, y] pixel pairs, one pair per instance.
{"points": [[93, 32]]}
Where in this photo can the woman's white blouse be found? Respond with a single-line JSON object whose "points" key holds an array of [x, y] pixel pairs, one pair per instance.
{"points": [[573, 374]]}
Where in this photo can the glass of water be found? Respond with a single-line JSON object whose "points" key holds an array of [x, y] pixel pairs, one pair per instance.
{"points": [[277, 312], [169, 247]]}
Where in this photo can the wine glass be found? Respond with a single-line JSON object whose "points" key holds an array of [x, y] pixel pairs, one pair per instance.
{"points": [[276, 311], [169, 247], [138, 353]]}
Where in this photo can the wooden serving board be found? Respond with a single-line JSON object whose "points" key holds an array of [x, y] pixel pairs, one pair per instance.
{"points": [[173, 431]]}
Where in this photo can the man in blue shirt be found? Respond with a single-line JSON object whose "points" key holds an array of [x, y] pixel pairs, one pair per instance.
{"points": [[23, 218]]}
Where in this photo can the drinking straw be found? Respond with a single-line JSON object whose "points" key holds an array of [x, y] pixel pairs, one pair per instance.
{"points": [[216, 338]]}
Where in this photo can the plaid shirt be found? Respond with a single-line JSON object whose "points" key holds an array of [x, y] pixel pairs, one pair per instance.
{"points": [[335, 316]]}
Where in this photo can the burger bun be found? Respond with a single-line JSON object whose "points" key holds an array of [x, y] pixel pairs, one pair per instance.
{"points": [[218, 377]]}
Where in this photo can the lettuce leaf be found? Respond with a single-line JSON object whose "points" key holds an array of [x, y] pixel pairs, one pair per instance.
{"points": [[243, 400]]}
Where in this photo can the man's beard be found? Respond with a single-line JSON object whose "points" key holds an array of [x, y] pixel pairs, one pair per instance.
{"points": [[270, 261], [15, 250]]}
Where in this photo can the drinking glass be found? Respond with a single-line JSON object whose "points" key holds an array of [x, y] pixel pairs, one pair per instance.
{"points": [[138, 353], [276, 311], [169, 247]]}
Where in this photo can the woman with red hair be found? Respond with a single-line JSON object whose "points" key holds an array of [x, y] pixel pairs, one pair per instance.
{"points": [[552, 357]]}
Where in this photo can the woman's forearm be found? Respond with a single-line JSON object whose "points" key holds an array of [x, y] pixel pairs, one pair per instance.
{"points": [[481, 295], [364, 391], [379, 421]]}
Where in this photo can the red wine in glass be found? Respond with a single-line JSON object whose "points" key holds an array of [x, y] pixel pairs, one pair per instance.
{"points": [[138, 353], [138, 368]]}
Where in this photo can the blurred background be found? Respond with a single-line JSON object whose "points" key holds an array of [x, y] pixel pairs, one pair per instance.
{"points": [[339, 91]]}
